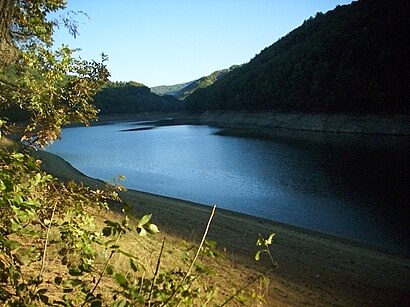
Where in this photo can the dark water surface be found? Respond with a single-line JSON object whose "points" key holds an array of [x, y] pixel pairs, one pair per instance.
{"points": [[351, 186]]}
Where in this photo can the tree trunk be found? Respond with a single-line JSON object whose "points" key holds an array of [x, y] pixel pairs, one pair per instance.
{"points": [[8, 51]]}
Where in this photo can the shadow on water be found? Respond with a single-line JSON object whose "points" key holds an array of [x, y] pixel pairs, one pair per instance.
{"points": [[371, 172], [137, 129], [353, 186]]}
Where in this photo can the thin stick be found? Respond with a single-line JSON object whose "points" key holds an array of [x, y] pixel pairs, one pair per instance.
{"points": [[195, 258], [274, 263], [43, 261], [156, 272], [200, 245]]}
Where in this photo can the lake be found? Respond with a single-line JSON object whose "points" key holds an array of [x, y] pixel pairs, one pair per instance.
{"points": [[351, 186]]}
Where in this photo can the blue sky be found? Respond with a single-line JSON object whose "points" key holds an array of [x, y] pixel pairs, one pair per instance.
{"points": [[164, 42]]}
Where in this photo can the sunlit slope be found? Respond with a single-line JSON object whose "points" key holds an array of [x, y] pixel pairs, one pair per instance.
{"points": [[133, 97], [354, 59]]}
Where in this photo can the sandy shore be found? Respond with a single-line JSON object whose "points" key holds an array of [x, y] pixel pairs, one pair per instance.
{"points": [[314, 269]]}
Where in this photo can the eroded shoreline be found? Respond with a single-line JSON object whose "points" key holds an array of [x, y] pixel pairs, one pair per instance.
{"points": [[271, 122]]}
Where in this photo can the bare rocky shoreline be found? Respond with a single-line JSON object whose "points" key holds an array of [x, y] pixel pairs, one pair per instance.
{"points": [[272, 123], [369, 124]]}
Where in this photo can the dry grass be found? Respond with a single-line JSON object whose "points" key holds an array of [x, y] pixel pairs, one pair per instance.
{"points": [[314, 269], [223, 276]]}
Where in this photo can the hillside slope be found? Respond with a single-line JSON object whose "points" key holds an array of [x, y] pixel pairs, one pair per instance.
{"points": [[169, 89], [133, 97], [203, 82], [351, 60]]}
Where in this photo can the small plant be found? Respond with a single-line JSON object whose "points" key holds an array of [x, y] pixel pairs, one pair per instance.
{"points": [[266, 243], [209, 249]]}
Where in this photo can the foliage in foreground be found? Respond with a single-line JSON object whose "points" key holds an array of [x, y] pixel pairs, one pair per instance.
{"points": [[52, 249], [54, 252]]}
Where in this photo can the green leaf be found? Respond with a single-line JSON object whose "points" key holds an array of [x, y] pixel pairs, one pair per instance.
{"points": [[109, 270], [141, 231], [23, 259], [76, 282], [121, 303], [13, 245], [96, 303], [75, 272], [37, 179], [152, 229], [258, 255], [58, 280], [268, 241], [126, 253], [2, 185], [18, 156], [23, 256], [17, 199], [133, 265], [121, 280], [44, 299], [42, 291], [107, 231], [145, 219]]}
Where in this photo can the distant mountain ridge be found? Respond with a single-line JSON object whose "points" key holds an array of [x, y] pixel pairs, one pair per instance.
{"points": [[133, 97], [183, 90], [203, 82], [169, 89], [353, 60]]}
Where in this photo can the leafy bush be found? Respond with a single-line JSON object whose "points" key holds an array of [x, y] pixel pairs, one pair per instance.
{"points": [[52, 249]]}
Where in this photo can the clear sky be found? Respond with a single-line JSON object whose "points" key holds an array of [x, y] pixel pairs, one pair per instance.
{"points": [[166, 42]]}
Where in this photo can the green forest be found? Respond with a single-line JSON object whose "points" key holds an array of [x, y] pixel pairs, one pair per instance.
{"points": [[169, 89], [203, 82], [351, 60], [133, 97]]}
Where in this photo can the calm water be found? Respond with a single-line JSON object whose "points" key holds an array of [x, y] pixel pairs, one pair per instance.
{"points": [[354, 187]]}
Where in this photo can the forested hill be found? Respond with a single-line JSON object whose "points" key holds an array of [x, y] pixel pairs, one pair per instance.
{"points": [[203, 82], [133, 97], [183, 90], [169, 89], [354, 59]]}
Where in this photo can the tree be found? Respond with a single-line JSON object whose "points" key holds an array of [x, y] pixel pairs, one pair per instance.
{"points": [[53, 86], [51, 250], [7, 48]]}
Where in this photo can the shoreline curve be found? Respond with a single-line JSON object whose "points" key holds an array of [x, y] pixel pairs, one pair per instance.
{"points": [[309, 262]]}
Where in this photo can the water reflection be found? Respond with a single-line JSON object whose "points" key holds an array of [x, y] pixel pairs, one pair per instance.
{"points": [[351, 186]]}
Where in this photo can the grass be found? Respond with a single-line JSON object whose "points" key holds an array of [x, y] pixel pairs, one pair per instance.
{"points": [[163, 260], [219, 273], [217, 278]]}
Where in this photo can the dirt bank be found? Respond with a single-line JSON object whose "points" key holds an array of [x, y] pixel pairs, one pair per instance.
{"points": [[314, 269], [371, 124]]}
